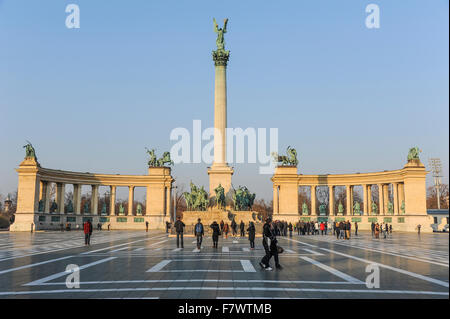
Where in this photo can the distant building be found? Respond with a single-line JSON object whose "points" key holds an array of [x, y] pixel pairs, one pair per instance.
{"points": [[440, 219]]}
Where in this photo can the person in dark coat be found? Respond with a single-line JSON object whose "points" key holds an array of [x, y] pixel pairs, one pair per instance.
{"points": [[87, 232], [179, 228], [290, 229], [242, 228], [199, 231], [216, 232], [356, 228], [221, 226], [251, 234], [271, 248], [233, 227]]}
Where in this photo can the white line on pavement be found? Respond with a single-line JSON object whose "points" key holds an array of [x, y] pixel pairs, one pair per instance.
{"points": [[312, 252], [225, 249], [159, 266], [32, 265], [64, 273], [298, 241], [247, 265], [369, 291], [402, 271], [331, 270], [245, 249]]}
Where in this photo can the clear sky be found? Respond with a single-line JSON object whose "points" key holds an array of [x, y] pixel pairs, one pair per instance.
{"points": [[348, 98]]}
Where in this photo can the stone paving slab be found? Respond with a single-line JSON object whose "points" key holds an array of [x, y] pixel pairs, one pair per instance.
{"points": [[132, 264]]}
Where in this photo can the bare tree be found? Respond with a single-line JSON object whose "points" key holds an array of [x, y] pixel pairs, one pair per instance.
{"points": [[432, 196]]}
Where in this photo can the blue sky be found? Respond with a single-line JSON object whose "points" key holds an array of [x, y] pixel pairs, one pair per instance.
{"points": [[348, 98]]}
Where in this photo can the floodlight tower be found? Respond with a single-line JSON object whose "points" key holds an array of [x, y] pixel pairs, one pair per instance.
{"points": [[436, 168]]}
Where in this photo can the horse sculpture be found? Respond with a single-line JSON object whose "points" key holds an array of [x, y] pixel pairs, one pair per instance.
{"points": [[287, 160], [413, 153]]}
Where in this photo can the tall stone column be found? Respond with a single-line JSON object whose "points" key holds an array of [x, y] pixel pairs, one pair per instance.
{"points": [[112, 201], [348, 200], [130, 200], [77, 198], [386, 198], [313, 201], [369, 199], [401, 196], [94, 200], [365, 200], [331, 199], [220, 172], [46, 190], [60, 192], [381, 200], [168, 200], [395, 191]]}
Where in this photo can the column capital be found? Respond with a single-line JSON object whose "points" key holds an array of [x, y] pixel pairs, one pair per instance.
{"points": [[220, 57]]}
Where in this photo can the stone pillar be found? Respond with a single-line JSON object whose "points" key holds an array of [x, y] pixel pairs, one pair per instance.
{"points": [[94, 200], [386, 198], [130, 200], [381, 200], [60, 192], [369, 199], [395, 191], [348, 189], [46, 190], [313, 201], [112, 201], [401, 196], [220, 172], [331, 199], [27, 195], [41, 190], [168, 201], [365, 200], [77, 198], [275, 200]]}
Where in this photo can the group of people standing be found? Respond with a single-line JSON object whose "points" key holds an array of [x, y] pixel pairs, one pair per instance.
{"points": [[384, 229], [221, 229]]}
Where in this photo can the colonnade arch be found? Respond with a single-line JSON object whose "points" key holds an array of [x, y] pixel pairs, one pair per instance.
{"points": [[39, 187], [397, 196]]}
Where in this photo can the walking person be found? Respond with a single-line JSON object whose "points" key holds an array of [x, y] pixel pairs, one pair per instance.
{"points": [[146, 226], [390, 229], [372, 226], [87, 232], [199, 232], [356, 228], [216, 232], [242, 228], [251, 234], [418, 229], [377, 231], [179, 228], [234, 227], [290, 229], [221, 226], [270, 246]]}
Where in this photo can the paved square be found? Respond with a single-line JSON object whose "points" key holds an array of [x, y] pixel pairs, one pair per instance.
{"points": [[133, 264]]}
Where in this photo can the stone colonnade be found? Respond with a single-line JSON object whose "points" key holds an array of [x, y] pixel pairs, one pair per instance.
{"points": [[408, 194], [35, 184]]}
